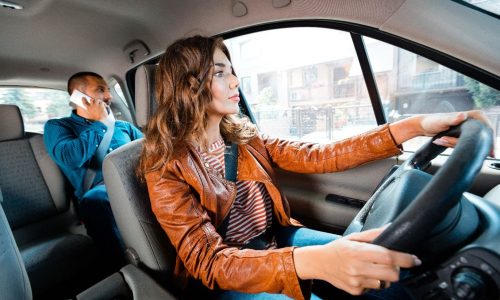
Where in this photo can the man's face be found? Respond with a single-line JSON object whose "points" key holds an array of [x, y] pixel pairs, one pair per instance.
{"points": [[98, 89]]}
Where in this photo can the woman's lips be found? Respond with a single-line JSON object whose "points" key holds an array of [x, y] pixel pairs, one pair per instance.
{"points": [[235, 98]]}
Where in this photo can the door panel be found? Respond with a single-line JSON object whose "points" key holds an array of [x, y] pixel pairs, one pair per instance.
{"points": [[309, 194]]}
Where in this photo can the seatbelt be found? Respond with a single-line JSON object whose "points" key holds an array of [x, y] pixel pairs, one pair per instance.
{"points": [[96, 162], [231, 166], [231, 161]]}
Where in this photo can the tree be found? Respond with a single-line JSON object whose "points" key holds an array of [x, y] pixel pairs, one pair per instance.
{"points": [[483, 95]]}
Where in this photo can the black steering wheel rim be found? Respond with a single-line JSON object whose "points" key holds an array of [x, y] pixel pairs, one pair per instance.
{"points": [[442, 192]]}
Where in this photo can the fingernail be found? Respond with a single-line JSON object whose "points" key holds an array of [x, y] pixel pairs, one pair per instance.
{"points": [[416, 261], [439, 142]]}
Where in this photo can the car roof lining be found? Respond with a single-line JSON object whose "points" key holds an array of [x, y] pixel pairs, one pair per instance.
{"points": [[30, 36]]}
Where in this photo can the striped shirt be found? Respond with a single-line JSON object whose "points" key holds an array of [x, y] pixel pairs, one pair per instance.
{"points": [[251, 213]]}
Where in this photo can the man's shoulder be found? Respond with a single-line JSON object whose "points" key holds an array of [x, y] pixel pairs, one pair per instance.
{"points": [[58, 121], [125, 124], [122, 122]]}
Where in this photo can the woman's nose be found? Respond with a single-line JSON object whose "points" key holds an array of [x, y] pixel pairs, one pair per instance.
{"points": [[235, 82]]}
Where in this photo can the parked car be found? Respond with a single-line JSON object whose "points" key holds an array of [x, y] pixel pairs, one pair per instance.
{"points": [[315, 70]]}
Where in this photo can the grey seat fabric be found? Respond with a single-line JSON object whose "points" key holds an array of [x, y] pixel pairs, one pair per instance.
{"points": [[147, 244], [52, 242], [129, 197], [14, 283], [145, 101], [128, 283]]}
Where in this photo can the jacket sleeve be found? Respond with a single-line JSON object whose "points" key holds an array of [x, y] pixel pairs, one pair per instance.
{"points": [[303, 157], [69, 149], [202, 250]]}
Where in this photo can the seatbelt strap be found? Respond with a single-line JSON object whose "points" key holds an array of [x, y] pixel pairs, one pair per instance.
{"points": [[231, 166], [231, 161], [98, 158]]}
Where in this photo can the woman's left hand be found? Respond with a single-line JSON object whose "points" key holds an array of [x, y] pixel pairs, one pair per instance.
{"points": [[433, 124]]}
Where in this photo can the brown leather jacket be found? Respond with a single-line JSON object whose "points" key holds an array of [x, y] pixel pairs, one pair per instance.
{"points": [[191, 201]]}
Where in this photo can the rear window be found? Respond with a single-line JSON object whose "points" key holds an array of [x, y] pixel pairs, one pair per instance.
{"points": [[37, 105]]}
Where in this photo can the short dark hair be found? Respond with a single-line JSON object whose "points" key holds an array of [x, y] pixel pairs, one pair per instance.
{"points": [[80, 77]]}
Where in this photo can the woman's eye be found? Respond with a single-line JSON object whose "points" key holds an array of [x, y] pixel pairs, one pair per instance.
{"points": [[219, 74]]}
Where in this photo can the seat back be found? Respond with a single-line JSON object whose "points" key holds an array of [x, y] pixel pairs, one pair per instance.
{"points": [[33, 187], [145, 100], [146, 242], [36, 200], [14, 283]]}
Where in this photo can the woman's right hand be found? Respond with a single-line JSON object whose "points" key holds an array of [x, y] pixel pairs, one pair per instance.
{"points": [[352, 264]]}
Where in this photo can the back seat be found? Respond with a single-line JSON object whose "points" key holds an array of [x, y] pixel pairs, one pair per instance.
{"points": [[53, 244]]}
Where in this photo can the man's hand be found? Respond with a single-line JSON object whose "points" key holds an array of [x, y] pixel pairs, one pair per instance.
{"points": [[96, 110]]}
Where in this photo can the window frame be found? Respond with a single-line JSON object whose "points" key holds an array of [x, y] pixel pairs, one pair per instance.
{"points": [[477, 8], [357, 32]]}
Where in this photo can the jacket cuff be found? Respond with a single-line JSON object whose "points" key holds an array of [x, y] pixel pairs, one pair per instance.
{"points": [[383, 140], [392, 136], [295, 287]]}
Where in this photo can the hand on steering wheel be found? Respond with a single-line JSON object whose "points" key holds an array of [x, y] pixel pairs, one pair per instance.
{"points": [[424, 209]]}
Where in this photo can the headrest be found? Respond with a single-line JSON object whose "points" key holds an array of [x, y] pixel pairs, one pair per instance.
{"points": [[145, 94], [11, 123]]}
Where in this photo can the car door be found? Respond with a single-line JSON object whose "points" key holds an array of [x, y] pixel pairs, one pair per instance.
{"points": [[323, 82]]}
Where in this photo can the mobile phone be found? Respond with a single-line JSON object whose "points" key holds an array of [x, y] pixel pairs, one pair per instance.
{"points": [[76, 97]]}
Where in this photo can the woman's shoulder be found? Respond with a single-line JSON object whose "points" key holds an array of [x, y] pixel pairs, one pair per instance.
{"points": [[181, 159]]}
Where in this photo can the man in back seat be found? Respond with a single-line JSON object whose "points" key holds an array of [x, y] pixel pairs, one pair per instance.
{"points": [[78, 144]]}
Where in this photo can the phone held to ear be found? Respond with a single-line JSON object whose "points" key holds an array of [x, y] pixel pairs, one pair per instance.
{"points": [[76, 97]]}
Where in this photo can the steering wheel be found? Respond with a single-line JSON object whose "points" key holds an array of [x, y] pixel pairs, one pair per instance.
{"points": [[421, 206]]}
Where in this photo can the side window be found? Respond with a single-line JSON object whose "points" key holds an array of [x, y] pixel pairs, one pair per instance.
{"points": [[119, 92], [410, 84], [303, 83], [314, 90], [37, 105]]}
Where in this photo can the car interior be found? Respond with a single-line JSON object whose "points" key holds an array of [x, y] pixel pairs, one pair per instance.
{"points": [[309, 70]]}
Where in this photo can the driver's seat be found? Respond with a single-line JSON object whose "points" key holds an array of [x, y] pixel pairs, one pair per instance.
{"points": [[147, 245]]}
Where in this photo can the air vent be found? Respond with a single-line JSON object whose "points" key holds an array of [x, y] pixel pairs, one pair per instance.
{"points": [[11, 5]]}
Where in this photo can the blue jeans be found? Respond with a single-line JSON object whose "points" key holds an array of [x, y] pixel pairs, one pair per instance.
{"points": [[95, 212], [300, 237]]}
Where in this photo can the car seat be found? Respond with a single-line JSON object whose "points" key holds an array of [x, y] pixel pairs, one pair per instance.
{"points": [[128, 283], [147, 245], [55, 249], [14, 283]]}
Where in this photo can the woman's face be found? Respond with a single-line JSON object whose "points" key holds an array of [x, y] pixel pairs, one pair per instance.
{"points": [[224, 88]]}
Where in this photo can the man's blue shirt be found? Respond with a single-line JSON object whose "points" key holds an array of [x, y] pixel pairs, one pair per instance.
{"points": [[73, 141]]}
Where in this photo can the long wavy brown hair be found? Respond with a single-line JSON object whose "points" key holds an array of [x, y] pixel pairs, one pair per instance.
{"points": [[183, 80]]}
